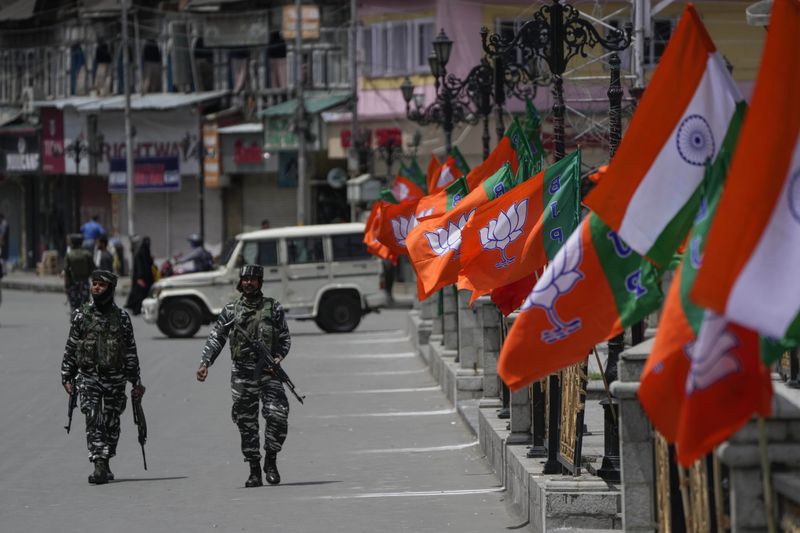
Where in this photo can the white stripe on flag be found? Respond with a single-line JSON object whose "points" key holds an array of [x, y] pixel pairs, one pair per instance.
{"points": [[671, 180], [766, 295]]}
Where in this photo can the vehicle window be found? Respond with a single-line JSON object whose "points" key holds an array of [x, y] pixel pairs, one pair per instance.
{"points": [[227, 250], [264, 253], [349, 247], [303, 250]]}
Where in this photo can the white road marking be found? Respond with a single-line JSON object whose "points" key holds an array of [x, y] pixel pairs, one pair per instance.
{"points": [[382, 341], [446, 448], [412, 494], [399, 413], [378, 391], [398, 355]]}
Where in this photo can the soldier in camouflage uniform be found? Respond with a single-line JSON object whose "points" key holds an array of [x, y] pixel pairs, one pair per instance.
{"points": [[78, 266], [263, 318], [100, 356]]}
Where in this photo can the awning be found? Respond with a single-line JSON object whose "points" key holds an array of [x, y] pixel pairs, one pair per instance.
{"points": [[94, 8], [313, 104], [247, 127], [139, 102], [19, 10]]}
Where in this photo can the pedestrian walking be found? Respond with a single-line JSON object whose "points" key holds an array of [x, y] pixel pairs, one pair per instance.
{"points": [[102, 257], [99, 357], [4, 237], [141, 275], [264, 320], [91, 231], [78, 266]]}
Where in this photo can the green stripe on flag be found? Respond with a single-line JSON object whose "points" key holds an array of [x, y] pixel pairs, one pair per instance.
{"points": [[413, 172], [533, 130], [519, 141], [561, 202], [461, 163], [499, 183], [387, 196], [456, 192], [633, 280]]}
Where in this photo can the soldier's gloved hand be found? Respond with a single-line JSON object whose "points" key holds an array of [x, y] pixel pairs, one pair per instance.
{"points": [[68, 387], [202, 373], [138, 391]]}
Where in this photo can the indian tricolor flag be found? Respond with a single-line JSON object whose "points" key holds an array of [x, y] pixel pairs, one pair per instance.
{"points": [[434, 246], [709, 369], [594, 288], [511, 149], [750, 269], [677, 127], [513, 235]]}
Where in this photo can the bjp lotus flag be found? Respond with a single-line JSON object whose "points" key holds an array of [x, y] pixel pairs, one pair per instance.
{"points": [[448, 173], [439, 203], [434, 168], [413, 172], [371, 230], [396, 223], [511, 148], [434, 245], [510, 237], [679, 124], [405, 190], [594, 288], [750, 268], [461, 162], [533, 131], [709, 368]]}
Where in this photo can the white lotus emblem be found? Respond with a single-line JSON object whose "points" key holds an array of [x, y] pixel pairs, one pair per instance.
{"points": [[504, 230], [402, 226], [442, 240], [400, 191], [559, 278], [445, 177], [712, 354]]}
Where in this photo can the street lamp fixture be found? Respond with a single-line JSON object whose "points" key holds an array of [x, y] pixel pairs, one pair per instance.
{"points": [[408, 90], [442, 46]]}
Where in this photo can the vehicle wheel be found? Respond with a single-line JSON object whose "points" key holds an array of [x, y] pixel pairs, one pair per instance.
{"points": [[339, 313], [181, 318]]}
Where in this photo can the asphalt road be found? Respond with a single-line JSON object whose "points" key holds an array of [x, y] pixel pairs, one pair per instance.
{"points": [[376, 447]]}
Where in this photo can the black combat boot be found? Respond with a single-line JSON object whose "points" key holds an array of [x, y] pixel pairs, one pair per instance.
{"points": [[100, 474], [271, 469], [255, 475]]}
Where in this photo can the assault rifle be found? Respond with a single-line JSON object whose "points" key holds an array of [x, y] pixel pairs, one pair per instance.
{"points": [[141, 423], [71, 404], [265, 361]]}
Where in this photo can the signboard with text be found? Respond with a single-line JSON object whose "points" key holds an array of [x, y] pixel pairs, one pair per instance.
{"points": [[21, 152], [52, 141], [150, 174]]}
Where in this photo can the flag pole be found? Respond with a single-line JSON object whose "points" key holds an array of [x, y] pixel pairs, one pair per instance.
{"points": [[605, 386], [718, 503]]}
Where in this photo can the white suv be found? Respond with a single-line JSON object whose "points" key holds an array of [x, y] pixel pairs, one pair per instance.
{"points": [[321, 272]]}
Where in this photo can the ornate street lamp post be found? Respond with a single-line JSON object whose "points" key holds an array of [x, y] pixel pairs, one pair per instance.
{"points": [[555, 34]]}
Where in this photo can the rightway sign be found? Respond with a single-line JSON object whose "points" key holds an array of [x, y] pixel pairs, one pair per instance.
{"points": [[150, 174]]}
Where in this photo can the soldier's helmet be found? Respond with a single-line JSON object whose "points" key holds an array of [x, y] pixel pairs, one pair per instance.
{"points": [[250, 271]]}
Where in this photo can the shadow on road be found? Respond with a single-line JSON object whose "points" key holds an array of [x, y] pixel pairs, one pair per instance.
{"points": [[148, 479]]}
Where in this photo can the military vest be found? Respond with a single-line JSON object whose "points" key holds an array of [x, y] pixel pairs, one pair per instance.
{"points": [[259, 324], [102, 345], [80, 264]]}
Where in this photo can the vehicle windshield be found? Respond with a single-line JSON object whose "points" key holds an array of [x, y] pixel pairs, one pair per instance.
{"points": [[227, 251]]}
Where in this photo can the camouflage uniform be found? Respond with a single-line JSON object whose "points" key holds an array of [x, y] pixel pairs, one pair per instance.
{"points": [[78, 265], [263, 317], [100, 356]]}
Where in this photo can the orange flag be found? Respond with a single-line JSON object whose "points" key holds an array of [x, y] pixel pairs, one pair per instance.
{"points": [[434, 245], [432, 175], [396, 223], [510, 237], [437, 204], [371, 231], [405, 190], [512, 148], [594, 288]]}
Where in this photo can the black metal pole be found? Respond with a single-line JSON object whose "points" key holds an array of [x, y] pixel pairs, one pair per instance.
{"points": [[609, 469], [447, 125], [794, 370], [499, 95], [537, 448]]}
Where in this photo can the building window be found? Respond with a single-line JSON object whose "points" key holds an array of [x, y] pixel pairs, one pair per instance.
{"points": [[397, 48], [653, 46]]}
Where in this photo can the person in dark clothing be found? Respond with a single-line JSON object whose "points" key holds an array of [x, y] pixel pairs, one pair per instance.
{"points": [[141, 276], [102, 257]]}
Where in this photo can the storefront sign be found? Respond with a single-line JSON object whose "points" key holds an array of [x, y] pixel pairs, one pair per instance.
{"points": [[278, 134], [150, 174], [245, 153], [21, 151], [52, 140]]}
